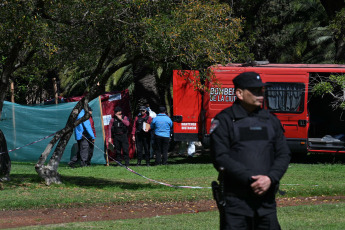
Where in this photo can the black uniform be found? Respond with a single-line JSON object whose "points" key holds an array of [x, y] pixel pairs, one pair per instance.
{"points": [[119, 134], [142, 139], [247, 145]]}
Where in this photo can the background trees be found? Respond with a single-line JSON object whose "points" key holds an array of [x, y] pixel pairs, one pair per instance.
{"points": [[86, 43], [96, 46], [46, 39]]}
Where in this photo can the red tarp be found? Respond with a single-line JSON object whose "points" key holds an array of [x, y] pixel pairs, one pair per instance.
{"points": [[109, 101]]}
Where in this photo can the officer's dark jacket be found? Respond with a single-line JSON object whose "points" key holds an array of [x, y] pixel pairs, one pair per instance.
{"points": [[247, 145], [118, 126], [139, 123]]}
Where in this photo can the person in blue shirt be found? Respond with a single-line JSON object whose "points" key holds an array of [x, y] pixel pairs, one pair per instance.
{"points": [[85, 137], [162, 126]]}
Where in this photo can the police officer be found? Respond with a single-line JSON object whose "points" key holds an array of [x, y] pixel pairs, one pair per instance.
{"points": [[118, 131], [248, 142], [141, 135]]}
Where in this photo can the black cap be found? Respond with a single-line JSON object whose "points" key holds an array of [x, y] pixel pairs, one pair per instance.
{"points": [[141, 108], [117, 109], [162, 109], [248, 80]]}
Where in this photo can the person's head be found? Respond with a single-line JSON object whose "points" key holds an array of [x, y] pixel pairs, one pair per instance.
{"points": [[162, 109], [118, 110], [142, 110], [249, 90]]}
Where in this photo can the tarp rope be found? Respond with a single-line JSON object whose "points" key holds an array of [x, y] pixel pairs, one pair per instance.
{"points": [[149, 179], [30, 143]]}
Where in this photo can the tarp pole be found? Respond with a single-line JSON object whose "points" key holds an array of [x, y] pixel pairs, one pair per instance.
{"points": [[12, 91], [103, 132]]}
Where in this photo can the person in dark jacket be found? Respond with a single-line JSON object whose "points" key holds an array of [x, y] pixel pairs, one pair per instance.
{"points": [[141, 135], [248, 142], [118, 132]]}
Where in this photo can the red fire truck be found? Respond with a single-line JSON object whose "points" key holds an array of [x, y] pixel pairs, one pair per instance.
{"points": [[310, 123]]}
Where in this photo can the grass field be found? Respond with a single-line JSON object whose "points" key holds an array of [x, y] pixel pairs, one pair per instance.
{"points": [[321, 217], [100, 184]]}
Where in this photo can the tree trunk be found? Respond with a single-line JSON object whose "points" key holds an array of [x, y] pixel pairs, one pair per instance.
{"points": [[5, 160], [49, 172]]}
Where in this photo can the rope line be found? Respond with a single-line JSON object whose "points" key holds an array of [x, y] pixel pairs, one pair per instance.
{"points": [[147, 178], [34, 142]]}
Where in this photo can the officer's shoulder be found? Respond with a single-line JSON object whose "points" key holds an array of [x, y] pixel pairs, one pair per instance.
{"points": [[275, 121], [272, 116], [225, 114]]}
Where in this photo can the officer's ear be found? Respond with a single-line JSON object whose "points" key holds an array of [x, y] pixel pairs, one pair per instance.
{"points": [[239, 93]]}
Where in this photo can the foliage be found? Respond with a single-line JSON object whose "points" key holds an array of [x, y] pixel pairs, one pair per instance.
{"points": [[284, 31], [196, 33], [70, 37], [333, 85], [193, 35], [338, 25]]}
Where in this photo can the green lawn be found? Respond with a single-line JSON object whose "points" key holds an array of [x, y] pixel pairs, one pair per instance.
{"points": [[101, 184], [320, 217]]}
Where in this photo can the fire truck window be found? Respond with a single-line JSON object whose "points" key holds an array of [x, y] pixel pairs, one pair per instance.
{"points": [[285, 97]]}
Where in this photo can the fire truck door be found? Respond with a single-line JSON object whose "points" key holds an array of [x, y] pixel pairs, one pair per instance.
{"points": [[187, 102]]}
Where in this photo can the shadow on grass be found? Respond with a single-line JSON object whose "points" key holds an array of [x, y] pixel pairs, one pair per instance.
{"points": [[91, 182], [28, 180]]}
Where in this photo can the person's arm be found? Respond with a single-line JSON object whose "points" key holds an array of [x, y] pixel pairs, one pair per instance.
{"points": [[282, 154], [171, 126], [153, 124], [79, 129], [134, 126], [93, 125], [87, 126], [125, 121], [109, 129]]}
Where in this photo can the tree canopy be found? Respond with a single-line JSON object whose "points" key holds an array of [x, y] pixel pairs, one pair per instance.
{"points": [[91, 46]]}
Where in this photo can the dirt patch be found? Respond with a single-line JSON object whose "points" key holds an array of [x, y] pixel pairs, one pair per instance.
{"points": [[20, 218]]}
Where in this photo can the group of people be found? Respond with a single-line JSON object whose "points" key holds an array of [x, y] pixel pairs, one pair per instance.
{"points": [[150, 133], [247, 144], [150, 130]]}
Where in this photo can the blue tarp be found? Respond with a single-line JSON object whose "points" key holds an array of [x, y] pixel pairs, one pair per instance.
{"points": [[22, 125]]}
